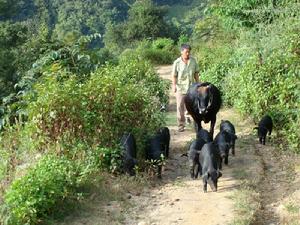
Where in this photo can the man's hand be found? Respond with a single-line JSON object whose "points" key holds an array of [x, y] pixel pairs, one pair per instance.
{"points": [[174, 88], [196, 77]]}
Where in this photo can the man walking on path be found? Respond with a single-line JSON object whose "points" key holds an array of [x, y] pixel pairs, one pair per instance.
{"points": [[185, 72]]}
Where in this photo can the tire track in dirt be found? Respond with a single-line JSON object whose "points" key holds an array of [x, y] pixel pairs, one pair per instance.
{"points": [[275, 183]]}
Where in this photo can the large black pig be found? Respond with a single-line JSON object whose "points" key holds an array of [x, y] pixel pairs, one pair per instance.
{"points": [[203, 101]]}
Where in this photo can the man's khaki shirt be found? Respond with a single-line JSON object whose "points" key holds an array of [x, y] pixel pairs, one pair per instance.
{"points": [[184, 73]]}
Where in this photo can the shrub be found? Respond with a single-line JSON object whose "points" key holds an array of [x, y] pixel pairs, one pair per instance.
{"points": [[31, 198], [98, 111], [163, 43], [17, 146], [136, 71], [262, 93], [266, 79], [34, 195], [257, 69], [160, 51]]}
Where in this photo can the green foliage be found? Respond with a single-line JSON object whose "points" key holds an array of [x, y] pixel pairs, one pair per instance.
{"points": [[257, 69], [245, 13], [64, 61], [183, 15], [136, 71], [160, 51], [163, 43], [8, 8], [145, 22], [33, 196], [215, 61], [17, 145], [99, 110], [30, 30], [183, 39], [214, 50], [11, 37]]}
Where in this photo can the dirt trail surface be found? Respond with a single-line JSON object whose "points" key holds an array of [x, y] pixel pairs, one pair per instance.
{"points": [[177, 199]]}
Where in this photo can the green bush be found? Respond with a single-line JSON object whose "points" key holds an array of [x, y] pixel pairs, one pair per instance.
{"points": [[112, 101], [160, 51], [18, 144], [163, 43], [257, 69], [31, 198], [34, 195], [259, 93], [138, 71]]}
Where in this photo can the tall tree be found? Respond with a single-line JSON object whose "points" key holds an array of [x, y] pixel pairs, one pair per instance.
{"points": [[145, 21]]}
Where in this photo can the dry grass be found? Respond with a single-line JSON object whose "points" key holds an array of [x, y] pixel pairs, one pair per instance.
{"points": [[105, 200], [246, 199]]}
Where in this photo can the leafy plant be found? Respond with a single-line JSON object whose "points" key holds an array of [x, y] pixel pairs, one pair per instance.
{"points": [[33, 196]]}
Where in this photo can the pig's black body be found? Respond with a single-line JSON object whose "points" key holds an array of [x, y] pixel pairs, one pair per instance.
{"points": [[203, 101], [129, 153], [265, 126], [209, 159], [229, 128]]}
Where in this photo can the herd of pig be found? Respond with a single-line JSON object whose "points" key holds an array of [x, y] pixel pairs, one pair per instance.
{"points": [[205, 154]]}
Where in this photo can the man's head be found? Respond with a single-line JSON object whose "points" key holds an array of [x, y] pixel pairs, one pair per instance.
{"points": [[185, 51]]}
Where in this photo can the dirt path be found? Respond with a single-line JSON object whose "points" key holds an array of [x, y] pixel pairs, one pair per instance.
{"points": [[177, 199]]}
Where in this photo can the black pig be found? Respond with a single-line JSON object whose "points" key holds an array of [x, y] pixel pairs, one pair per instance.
{"points": [[203, 101], [193, 156], [222, 141], [265, 125], [228, 126], [209, 159], [129, 153], [204, 135]]}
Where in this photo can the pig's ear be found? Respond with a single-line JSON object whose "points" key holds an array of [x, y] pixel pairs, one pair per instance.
{"points": [[219, 174], [235, 137], [255, 128]]}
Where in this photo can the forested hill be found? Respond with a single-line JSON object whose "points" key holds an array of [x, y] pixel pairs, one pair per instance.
{"points": [[29, 29]]}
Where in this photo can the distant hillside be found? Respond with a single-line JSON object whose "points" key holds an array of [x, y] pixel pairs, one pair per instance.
{"points": [[184, 14]]}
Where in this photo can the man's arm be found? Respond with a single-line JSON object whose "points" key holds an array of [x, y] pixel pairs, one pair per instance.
{"points": [[174, 82], [174, 77], [196, 77]]}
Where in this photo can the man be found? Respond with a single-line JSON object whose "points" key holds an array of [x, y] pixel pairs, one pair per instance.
{"points": [[185, 72]]}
